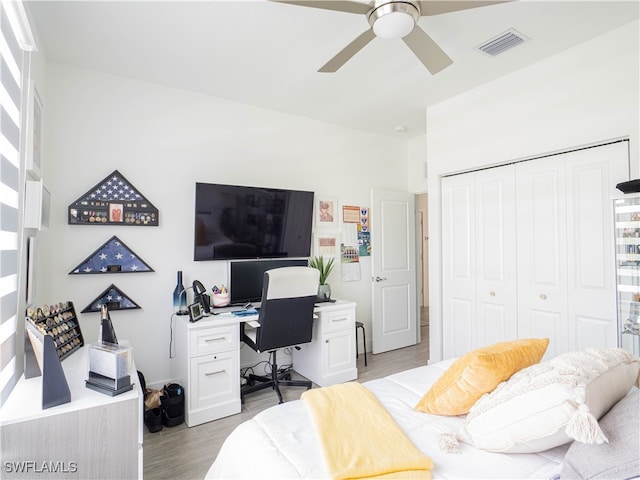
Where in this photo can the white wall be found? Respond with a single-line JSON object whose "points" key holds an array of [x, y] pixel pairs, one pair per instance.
{"points": [[163, 141], [416, 157], [582, 96]]}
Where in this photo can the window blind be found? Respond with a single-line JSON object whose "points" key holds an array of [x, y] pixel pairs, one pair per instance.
{"points": [[11, 81]]}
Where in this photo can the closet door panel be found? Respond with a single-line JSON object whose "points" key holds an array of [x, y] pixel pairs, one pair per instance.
{"points": [[541, 232], [591, 178], [458, 264], [546, 324], [495, 255]]}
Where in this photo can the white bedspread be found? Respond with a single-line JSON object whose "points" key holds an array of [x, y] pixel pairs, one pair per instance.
{"points": [[280, 442]]}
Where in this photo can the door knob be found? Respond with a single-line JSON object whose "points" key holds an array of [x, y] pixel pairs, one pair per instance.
{"points": [[543, 296], [492, 294], [379, 279]]}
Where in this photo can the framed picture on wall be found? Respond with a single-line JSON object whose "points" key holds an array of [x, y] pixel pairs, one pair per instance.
{"points": [[326, 245], [33, 148], [30, 280], [326, 211]]}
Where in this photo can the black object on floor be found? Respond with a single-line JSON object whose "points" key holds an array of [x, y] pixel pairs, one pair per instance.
{"points": [[153, 419], [173, 413]]}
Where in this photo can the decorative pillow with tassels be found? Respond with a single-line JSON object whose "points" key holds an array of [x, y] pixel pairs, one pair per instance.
{"points": [[550, 403]]}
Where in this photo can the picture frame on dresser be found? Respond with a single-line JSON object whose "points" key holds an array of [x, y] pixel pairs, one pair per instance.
{"points": [[33, 150]]}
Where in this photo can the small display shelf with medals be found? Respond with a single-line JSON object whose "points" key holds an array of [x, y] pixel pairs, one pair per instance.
{"points": [[60, 322], [113, 201]]}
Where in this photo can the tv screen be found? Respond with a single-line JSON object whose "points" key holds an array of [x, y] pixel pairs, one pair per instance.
{"points": [[241, 222], [246, 277]]}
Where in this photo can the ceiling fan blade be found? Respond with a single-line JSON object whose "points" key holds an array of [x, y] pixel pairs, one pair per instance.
{"points": [[347, 52], [336, 5], [428, 7], [427, 51]]}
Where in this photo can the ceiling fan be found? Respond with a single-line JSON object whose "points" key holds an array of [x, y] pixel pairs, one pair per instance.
{"points": [[394, 19]]}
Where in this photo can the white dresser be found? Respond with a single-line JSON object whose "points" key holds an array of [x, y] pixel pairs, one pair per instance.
{"points": [[95, 436]]}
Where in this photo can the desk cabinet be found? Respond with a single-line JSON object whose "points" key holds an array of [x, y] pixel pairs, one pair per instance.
{"points": [[207, 364], [330, 357]]}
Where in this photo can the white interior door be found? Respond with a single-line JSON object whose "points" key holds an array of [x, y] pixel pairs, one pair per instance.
{"points": [[542, 239], [495, 247], [591, 177], [458, 265], [394, 308], [479, 259]]}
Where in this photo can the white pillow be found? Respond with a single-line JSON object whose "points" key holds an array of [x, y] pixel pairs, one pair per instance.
{"points": [[551, 403]]}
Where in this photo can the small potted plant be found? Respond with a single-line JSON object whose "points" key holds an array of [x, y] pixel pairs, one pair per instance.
{"points": [[325, 268]]}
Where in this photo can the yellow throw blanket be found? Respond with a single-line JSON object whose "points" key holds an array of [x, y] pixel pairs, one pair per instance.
{"points": [[359, 437]]}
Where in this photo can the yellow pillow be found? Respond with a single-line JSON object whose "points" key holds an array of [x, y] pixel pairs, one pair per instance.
{"points": [[479, 372]]}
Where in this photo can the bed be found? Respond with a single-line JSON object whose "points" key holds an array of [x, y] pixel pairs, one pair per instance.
{"points": [[282, 442]]}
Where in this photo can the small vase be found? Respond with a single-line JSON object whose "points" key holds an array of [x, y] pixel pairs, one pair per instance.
{"points": [[179, 295], [324, 292]]}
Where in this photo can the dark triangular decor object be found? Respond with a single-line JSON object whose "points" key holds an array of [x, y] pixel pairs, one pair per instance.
{"points": [[113, 298], [632, 186], [112, 257], [113, 201]]}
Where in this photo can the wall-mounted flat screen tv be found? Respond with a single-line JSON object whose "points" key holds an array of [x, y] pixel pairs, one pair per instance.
{"points": [[239, 222]]}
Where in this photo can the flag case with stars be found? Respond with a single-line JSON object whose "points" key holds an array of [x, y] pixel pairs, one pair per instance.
{"points": [[113, 298], [112, 257], [113, 201]]}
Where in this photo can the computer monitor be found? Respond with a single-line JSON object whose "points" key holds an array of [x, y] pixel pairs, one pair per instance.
{"points": [[246, 276]]}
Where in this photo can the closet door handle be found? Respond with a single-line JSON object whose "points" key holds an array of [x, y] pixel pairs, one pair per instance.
{"points": [[492, 294], [543, 296], [379, 279]]}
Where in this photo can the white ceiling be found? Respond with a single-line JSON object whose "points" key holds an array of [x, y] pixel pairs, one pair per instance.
{"points": [[267, 54]]}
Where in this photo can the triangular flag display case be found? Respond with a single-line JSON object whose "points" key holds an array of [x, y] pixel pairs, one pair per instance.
{"points": [[112, 257], [113, 298], [113, 201]]}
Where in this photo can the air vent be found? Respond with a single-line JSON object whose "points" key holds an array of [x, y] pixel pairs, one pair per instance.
{"points": [[502, 43]]}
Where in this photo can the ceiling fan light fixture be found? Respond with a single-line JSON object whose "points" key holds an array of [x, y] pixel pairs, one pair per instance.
{"points": [[394, 19]]}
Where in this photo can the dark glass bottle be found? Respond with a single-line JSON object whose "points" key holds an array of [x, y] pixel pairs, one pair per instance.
{"points": [[179, 296]]}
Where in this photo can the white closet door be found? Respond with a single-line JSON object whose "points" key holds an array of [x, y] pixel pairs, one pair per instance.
{"points": [[495, 239], [592, 175], [479, 264], [542, 239], [458, 265]]}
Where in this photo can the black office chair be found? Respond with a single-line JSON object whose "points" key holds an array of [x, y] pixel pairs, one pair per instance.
{"points": [[286, 320]]}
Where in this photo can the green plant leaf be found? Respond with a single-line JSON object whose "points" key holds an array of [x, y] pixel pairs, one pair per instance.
{"points": [[325, 269]]}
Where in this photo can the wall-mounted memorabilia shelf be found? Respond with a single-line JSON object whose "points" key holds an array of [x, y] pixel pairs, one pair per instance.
{"points": [[113, 298], [60, 322], [113, 201], [627, 238], [112, 257]]}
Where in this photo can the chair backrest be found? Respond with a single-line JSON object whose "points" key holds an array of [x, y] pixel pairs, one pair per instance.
{"points": [[286, 310]]}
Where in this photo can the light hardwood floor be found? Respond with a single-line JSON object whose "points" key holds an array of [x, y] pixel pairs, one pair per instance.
{"points": [[187, 453]]}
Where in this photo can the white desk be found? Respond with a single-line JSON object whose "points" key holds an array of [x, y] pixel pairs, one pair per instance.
{"points": [[207, 358], [93, 436]]}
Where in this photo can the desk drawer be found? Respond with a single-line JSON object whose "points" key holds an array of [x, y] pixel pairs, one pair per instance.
{"points": [[334, 321], [214, 339]]}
